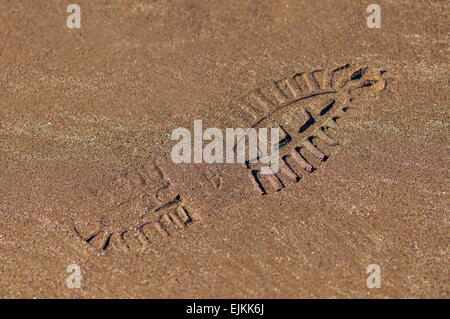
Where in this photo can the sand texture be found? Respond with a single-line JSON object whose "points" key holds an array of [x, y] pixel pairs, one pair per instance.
{"points": [[86, 175]]}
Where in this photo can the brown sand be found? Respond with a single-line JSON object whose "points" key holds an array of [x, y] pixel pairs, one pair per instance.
{"points": [[85, 120]]}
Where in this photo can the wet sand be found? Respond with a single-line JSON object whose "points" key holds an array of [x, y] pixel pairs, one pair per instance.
{"points": [[86, 175]]}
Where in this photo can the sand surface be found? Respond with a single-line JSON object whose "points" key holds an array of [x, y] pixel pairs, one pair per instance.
{"points": [[86, 175]]}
